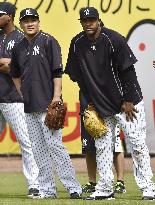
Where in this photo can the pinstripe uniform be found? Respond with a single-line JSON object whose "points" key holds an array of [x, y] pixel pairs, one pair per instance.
{"points": [[104, 71], [12, 108], [42, 63]]}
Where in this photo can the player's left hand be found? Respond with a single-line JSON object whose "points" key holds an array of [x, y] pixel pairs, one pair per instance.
{"points": [[129, 110], [154, 64], [55, 117], [4, 61], [55, 99]]}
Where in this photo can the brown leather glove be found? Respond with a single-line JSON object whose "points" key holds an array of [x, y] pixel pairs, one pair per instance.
{"points": [[129, 110], [55, 117]]}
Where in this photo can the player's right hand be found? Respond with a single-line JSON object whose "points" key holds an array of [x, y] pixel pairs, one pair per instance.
{"points": [[130, 110]]}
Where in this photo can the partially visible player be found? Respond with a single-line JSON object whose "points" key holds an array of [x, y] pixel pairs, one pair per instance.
{"points": [[2, 123], [88, 148], [11, 103], [119, 149]]}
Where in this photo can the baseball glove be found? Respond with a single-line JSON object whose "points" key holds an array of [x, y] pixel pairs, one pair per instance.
{"points": [[94, 125], [55, 117]]}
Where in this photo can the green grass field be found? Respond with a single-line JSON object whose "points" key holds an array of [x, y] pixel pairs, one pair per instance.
{"points": [[13, 191]]}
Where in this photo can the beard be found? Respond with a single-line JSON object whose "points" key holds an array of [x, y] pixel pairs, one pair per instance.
{"points": [[93, 33], [3, 25]]}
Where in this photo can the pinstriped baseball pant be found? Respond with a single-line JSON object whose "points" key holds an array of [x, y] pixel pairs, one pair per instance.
{"points": [[15, 116], [135, 134], [50, 154]]}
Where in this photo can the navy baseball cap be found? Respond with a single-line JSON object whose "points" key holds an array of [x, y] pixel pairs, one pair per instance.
{"points": [[7, 8], [88, 12], [28, 12]]}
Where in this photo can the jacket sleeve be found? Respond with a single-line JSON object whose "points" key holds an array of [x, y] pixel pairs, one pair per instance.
{"points": [[123, 55], [14, 66], [72, 63], [54, 56], [130, 84]]}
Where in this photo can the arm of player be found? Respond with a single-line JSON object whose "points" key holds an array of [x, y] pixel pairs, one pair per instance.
{"points": [[15, 70], [124, 60], [57, 89], [128, 79], [53, 49], [4, 65], [17, 82]]}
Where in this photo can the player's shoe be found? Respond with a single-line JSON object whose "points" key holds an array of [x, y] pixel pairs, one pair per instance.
{"points": [[148, 195], [119, 188], [75, 195], [98, 195], [32, 192], [151, 198], [89, 187]]}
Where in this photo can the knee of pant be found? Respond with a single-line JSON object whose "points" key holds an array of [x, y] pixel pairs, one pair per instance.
{"points": [[139, 150], [104, 142], [56, 147]]}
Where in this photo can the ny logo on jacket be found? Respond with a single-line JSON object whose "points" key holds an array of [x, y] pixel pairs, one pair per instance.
{"points": [[35, 50], [10, 45]]}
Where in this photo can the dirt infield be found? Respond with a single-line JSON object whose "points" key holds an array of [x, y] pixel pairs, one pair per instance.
{"points": [[14, 164]]}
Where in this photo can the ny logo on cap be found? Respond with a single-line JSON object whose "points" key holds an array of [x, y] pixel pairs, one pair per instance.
{"points": [[86, 12], [28, 12]]}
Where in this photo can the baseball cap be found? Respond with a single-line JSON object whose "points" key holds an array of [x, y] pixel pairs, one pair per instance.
{"points": [[7, 8], [88, 12], [28, 12]]}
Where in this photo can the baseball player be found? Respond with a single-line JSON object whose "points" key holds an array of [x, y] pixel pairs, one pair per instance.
{"points": [[119, 148], [11, 104], [102, 64], [36, 67], [2, 123], [88, 148]]}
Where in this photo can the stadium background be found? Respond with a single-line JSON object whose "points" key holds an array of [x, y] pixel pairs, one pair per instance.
{"points": [[132, 18]]}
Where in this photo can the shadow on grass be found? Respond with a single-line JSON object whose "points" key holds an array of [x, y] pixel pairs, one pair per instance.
{"points": [[127, 197], [17, 196]]}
